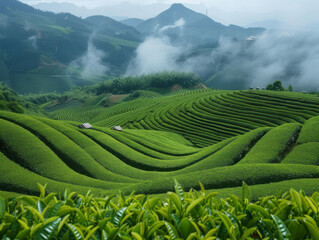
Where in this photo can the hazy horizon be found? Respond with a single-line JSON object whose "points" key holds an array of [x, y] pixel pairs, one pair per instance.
{"points": [[292, 14]]}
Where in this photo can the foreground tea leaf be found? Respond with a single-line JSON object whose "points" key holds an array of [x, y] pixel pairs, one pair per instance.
{"points": [[2, 207], [136, 236], [185, 228], [48, 230], [311, 226], [193, 205], [283, 232], [87, 237], [179, 191], [171, 230], [154, 228], [77, 233], [118, 216]]}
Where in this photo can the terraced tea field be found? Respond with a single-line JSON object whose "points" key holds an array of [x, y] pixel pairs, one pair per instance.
{"points": [[204, 117], [219, 138]]}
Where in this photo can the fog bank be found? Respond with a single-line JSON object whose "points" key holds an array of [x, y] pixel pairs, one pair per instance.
{"points": [[92, 61], [291, 57]]}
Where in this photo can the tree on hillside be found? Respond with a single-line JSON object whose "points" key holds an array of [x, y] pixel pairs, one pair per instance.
{"points": [[276, 86], [290, 88]]}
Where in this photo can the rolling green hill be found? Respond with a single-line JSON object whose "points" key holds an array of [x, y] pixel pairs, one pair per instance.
{"points": [[220, 138], [39, 50]]}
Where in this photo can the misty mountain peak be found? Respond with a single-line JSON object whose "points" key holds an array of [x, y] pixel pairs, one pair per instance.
{"points": [[197, 27], [177, 6], [175, 12]]}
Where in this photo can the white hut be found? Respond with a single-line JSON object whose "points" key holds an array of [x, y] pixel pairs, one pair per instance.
{"points": [[117, 128], [85, 126]]}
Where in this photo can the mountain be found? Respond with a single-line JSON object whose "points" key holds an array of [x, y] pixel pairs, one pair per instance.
{"points": [[114, 10], [133, 22], [109, 26], [195, 27], [270, 24], [42, 51], [63, 8]]}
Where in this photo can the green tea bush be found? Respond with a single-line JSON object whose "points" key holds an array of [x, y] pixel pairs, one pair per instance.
{"points": [[103, 157], [11, 106], [310, 131], [306, 153], [217, 178], [15, 178], [231, 153], [30, 152], [68, 151], [274, 145], [179, 215]]}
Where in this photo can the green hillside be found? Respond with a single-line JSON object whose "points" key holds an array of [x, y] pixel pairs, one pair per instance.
{"points": [[13, 102], [42, 51], [218, 138]]}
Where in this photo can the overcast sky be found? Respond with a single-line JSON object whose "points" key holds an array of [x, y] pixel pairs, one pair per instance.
{"points": [[293, 12], [226, 5]]}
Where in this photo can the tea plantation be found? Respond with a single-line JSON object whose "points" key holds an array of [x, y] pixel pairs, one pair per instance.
{"points": [[219, 138], [204, 139]]}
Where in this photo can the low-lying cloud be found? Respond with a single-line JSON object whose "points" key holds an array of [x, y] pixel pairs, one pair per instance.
{"points": [[27, 25], [33, 40], [292, 57], [157, 53], [92, 61], [3, 21], [178, 24]]}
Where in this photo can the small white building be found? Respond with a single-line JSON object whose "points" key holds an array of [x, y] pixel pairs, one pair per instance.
{"points": [[85, 126], [117, 128]]}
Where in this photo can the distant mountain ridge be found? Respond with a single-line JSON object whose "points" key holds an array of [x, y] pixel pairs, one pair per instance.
{"points": [[133, 22], [57, 7], [43, 51], [120, 9], [7, 5], [197, 27]]}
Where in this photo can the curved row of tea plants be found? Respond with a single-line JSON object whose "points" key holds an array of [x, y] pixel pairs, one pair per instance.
{"points": [[206, 117], [40, 150]]}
